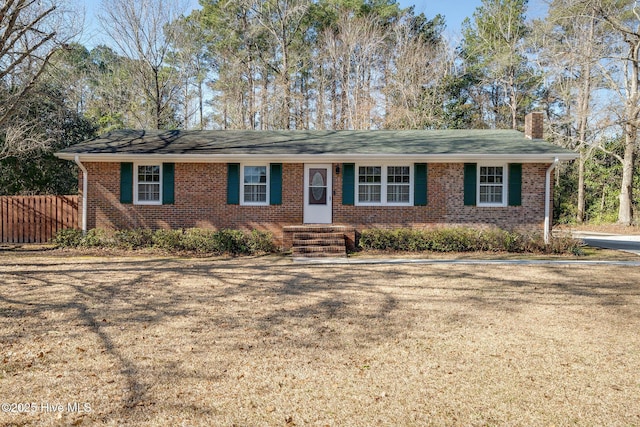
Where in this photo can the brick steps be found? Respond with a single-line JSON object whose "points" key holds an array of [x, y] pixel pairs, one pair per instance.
{"points": [[319, 251], [318, 241]]}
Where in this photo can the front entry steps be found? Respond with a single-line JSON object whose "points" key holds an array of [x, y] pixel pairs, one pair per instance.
{"points": [[315, 241]]}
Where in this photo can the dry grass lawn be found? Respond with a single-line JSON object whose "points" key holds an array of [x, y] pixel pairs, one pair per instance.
{"points": [[264, 342]]}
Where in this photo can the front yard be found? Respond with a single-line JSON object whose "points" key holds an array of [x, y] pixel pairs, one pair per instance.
{"points": [[261, 341]]}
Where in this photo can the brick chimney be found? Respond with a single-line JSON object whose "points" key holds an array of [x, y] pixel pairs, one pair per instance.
{"points": [[534, 125]]}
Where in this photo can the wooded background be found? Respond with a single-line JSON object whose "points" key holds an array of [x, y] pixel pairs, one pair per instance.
{"points": [[326, 64]]}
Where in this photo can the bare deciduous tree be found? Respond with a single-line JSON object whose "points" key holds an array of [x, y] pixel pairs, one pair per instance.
{"points": [[283, 22], [349, 57], [142, 32], [624, 76], [30, 33], [570, 42], [302, 64], [416, 69], [493, 43], [189, 56]]}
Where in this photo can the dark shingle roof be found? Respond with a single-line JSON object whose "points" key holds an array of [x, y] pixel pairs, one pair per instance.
{"points": [[310, 143]]}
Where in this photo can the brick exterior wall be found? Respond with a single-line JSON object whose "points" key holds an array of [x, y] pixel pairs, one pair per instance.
{"points": [[445, 204], [201, 201]]}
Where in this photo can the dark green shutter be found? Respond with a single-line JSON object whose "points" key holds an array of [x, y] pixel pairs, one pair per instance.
{"points": [[126, 183], [515, 184], [275, 184], [348, 183], [420, 184], [233, 183], [168, 173], [470, 178]]}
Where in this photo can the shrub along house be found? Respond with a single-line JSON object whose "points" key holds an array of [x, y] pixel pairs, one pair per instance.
{"points": [[299, 182]]}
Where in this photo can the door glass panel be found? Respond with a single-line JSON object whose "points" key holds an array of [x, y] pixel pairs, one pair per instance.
{"points": [[317, 186]]}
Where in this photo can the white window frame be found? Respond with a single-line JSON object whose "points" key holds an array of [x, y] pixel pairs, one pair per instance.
{"points": [[409, 186], [384, 184], [505, 179], [268, 171], [381, 184], [135, 184]]}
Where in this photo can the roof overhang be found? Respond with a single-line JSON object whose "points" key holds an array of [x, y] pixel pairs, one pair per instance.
{"points": [[319, 158]]}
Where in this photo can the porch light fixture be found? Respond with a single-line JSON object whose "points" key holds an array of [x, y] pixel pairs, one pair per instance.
{"points": [[338, 170]]}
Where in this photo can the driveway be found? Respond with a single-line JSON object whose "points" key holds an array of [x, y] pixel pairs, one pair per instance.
{"points": [[626, 243]]}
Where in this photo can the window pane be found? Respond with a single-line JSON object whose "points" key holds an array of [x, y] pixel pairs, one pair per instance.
{"points": [[255, 174], [255, 193], [369, 193], [484, 198], [371, 174], [398, 194], [496, 194], [491, 174], [148, 192], [491, 194], [148, 173]]}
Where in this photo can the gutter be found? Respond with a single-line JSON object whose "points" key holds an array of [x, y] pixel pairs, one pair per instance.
{"points": [[85, 181], [547, 201]]}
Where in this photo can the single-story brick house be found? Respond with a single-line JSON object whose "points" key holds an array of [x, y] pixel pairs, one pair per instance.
{"points": [[271, 180]]}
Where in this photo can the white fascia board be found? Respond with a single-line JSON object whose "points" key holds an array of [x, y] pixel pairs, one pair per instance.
{"points": [[318, 158]]}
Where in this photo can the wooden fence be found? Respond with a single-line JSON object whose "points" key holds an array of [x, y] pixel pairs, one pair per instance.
{"points": [[36, 219]]}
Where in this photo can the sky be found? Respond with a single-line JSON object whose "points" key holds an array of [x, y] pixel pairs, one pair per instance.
{"points": [[454, 12]]}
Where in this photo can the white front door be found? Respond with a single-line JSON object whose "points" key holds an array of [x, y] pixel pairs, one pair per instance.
{"points": [[317, 194]]}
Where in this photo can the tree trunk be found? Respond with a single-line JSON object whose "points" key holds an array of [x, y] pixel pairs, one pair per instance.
{"points": [[625, 212], [344, 101], [200, 104], [580, 207], [334, 98], [631, 76], [251, 95], [264, 107], [513, 101], [158, 100], [583, 115], [320, 100], [284, 74]]}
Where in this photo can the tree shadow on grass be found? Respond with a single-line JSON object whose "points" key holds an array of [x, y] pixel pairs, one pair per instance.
{"points": [[246, 305]]}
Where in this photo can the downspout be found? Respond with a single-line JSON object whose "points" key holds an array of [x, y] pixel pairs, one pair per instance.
{"points": [[84, 194], [547, 201]]}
